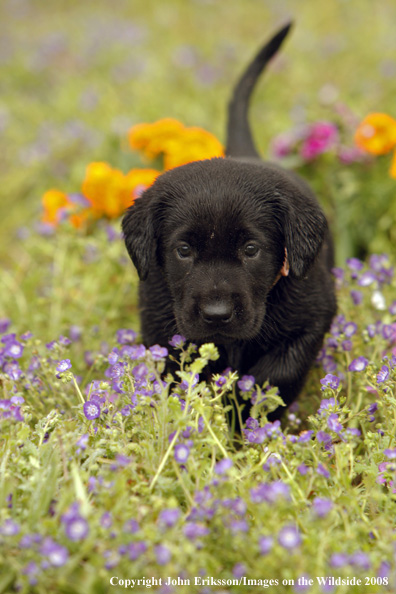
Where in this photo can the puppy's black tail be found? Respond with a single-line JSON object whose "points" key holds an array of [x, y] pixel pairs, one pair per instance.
{"points": [[239, 137]]}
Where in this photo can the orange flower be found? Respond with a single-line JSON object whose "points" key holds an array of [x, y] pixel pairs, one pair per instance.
{"points": [[195, 144], [376, 134], [178, 144], [156, 138], [110, 192], [137, 180], [54, 202], [80, 220], [104, 187], [392, 170]]}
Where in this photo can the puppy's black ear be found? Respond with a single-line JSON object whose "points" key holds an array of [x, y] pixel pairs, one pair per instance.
{"points": [[138, 231], [304, 231]]}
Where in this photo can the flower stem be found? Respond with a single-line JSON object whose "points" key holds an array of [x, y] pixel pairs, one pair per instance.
{"points": [[164, 459], [78, 390]]}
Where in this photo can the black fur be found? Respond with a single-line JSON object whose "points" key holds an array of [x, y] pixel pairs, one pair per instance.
{"points": [[188, 235]]}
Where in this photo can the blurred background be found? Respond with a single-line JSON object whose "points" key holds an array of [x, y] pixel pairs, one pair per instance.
{"points": [[76, 75]]}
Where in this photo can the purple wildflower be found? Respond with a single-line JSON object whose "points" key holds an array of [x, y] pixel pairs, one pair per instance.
{"points": [[162, 554], [106, 521], [223, 466], [9, 528], [321, 436], [194, 379], [158, 352], [270, 492], [239, 570], [56, 554], [91, 410], [347, 345], [289, 537], [384, 569], [140, 371], [389, 453], [252, 423], [76, 528], [31, 570], [350, 329], [389, 332], [131, 526], [177, 341], [126, 336], [75, 333], [134, 352], [356, 296], [112, 559], [116, 371], [326, 404], [305, 436], [354, 264], [272, 460], [221, 381], [358, 364], [112, 358], [265, 544], [383, 374], [330, 381], [13, 370], [13, 349], [63, 366], [360, 559], [322, 506], [338, 560], [82, 442], [334, 424], [4, 325], [302, 469], [246, 383], [169, 517], [367, 279], [392, 308], [322, 470], [193, 530], [238, 525], [182, 452], [135, 549]]}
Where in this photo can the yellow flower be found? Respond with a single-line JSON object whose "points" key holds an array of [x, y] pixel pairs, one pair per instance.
{"points": [[137, 180], [104, 187], [110, 192], [194, 145], [178, 144], [156, 138], [376, 134], [54, 202], [392, 170]]}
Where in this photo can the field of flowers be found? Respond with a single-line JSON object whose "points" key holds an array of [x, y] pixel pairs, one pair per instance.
{"points": [[113, 475]]}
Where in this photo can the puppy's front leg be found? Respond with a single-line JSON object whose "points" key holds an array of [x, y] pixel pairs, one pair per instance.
{"points": [[286, 367]]}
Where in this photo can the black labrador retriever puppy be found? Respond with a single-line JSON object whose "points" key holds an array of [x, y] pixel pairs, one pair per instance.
{"points": [[237, 252]]}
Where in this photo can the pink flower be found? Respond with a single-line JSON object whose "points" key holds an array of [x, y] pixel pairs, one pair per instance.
{"points": [[320, 137]]}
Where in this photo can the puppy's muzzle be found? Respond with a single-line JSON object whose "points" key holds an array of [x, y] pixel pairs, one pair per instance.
{"points": [[217, 313]]}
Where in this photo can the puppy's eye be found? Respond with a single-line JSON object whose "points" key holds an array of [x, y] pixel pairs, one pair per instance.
{"points": [[251, 250], [184, 251]]}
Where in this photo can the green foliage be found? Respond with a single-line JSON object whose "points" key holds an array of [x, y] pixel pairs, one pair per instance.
{"points": [[84, 500]]}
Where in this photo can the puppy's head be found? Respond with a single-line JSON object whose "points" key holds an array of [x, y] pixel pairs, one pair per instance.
{"points": [[220, 232]]}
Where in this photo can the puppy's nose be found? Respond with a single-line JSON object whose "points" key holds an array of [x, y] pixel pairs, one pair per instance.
{"points": [[219, 312]]}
